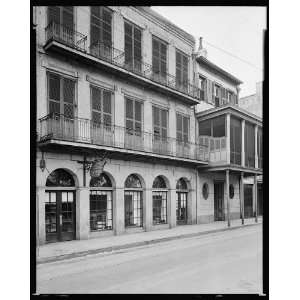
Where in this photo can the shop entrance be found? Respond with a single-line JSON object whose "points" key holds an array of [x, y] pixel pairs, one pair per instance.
{"points": [[181, 208], [248, 201], [60, 216], [219, 201]]}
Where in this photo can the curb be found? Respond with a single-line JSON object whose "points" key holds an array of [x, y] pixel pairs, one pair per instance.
{"points": [[135, 244]]}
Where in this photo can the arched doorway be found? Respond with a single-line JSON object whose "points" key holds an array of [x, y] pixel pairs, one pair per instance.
{"points": [[60, 207], [101, 213], [181, 201], [159, 200], [133, 197]]}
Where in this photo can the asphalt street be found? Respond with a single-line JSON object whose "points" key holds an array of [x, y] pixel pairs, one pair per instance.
{"points": [[224, 262]]}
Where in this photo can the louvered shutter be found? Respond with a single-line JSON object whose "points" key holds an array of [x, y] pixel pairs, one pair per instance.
{"points": [[107, 115], [163, 123], [185, 71], [95, 25], [96, 104], [68, 17], [128, 44], [163, 68], [137, 49], [179, 127], [155, 56], [185, 129], [69, 97], [53, 14], [178, 69], [106, 28], [54, 93]]}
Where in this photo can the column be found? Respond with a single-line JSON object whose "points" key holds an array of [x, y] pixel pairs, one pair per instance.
{"points": [[40, 207], [255, 196], [242, 196], [191, 207], [172, 208], [118, 211], [148, 209], [243, 143], [227, 197], [228, 137], [255, 147], [82, 213]]}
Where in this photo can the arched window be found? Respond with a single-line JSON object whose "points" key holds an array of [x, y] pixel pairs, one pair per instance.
{"points": [[101, 215], [181, 184], [133, 197], [133, 181], [101, 181], [159, 198], [60, 178], [159, 183]]}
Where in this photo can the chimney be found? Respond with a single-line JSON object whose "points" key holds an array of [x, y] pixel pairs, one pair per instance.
{"points": [[201, 51]]}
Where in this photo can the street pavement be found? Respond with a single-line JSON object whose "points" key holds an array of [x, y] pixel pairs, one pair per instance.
{"points": [[222, 262]]}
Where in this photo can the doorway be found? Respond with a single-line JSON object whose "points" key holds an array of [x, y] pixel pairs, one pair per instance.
{"points": [[181, 208], [248, 201], [219, 201], [60, 216]]}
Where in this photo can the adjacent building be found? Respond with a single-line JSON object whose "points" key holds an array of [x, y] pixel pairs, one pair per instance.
{"points": [[123, 88]]}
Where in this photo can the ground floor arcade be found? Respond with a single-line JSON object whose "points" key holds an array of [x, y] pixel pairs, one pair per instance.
{"points": [[129, 196]]}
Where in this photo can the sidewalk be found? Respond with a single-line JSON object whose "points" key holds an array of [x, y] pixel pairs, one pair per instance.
{"points": [[65, 250]]}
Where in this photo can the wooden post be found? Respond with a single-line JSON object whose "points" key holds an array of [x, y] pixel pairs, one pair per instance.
{"points": [[227, 197], [242, 196], [255, 147], [243, 143], [228, 138], [255, 196]]}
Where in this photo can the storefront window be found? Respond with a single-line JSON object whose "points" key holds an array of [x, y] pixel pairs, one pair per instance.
{"points": [[159, 198]]}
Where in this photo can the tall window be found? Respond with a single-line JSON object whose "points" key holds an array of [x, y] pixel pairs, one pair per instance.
{"points": [[160, 123], [235, 141], [133, 117], [159, 59], [101, 31], [101, 106], [61, 95], [181, 70], [217, 95], [61, 15], [259, 147], [101, 203], [133, 47], [249, 145], [182, 128], [159, 197], [202, 87], [133, 202]]}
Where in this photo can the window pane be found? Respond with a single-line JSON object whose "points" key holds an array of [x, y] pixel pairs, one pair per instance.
{"points": [[96, 98], [179, 122], [129, 108], [138, 111], [107, 102], [54, 107], [164, 118], [185, 125], [155, 111], [54, 86]]}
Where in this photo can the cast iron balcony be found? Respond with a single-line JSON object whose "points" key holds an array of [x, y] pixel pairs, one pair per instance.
{"points": [[105, 52], [59, 127]]}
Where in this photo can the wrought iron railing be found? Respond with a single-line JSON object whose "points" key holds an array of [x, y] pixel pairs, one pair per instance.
{"points": [[106, 52], [59, 127], [65, 35]]}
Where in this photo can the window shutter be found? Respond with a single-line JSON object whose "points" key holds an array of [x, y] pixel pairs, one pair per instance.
{"points": [[106, 27], [68, 17], [95, 25], [129, 108], [137, 47], [128, 43], [106, 102], [53, 14], [155, 56]]}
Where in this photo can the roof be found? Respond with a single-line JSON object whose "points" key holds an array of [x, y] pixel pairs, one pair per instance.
{"points": [[229, 108], [169, 24], [204, 61]]}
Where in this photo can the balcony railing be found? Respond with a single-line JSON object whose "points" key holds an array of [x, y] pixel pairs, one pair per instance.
{"points": [[59, 127], [106, 52], [65, 35]]}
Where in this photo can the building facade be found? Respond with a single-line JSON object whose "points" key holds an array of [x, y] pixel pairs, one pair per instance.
{"points": [[121, 90]]}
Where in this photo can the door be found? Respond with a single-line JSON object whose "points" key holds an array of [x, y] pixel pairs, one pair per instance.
{"points": [[248, 201], [181, 208], [133, 209], [60, 216], [219, 201]]}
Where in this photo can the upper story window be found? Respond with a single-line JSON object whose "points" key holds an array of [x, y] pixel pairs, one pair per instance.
{"points": [[101, 31], [159, 58], [249, 145], [133, 46], [202, 86], [61, 95], [217, 95], [182, 128], [61, 15], [133, 117], [160, 123], [229, 97], [182, 61], [101, 106]]}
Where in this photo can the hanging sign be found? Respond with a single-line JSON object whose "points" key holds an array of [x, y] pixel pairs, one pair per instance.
{"points": [[97, 167]]}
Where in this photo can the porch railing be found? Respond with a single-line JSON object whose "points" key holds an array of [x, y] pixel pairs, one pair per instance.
{"points": [[216, 148], [65, 35], [55, 126]]}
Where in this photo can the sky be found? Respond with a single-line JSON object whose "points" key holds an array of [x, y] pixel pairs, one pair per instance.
{"points": [[238, 30]]}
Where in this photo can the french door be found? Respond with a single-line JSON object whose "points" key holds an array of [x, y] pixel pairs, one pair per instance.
{"points": [[133, 209], [219, 201], [181, 208], [60, 216]]}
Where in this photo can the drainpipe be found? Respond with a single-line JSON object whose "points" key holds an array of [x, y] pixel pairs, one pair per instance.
{"points": [[196, 195]]}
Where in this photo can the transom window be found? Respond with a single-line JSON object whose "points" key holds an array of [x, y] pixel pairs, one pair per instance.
{"points": [[60, 178], [133, 181], [101, 20], [101, 181], [101, 106], [181, 184], [159, 183], [160, 122], [61, 95], [182, 126], [159, 57], [133, 46], [133, 116]]}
